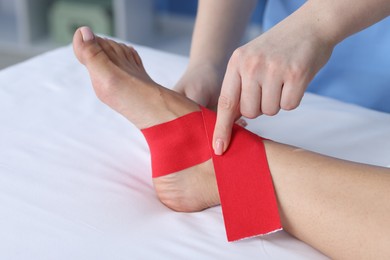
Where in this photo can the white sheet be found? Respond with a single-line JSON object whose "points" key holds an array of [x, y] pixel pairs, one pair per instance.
{"points": [[75, 180]]}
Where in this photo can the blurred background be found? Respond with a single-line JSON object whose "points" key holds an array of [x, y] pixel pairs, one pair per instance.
{"points": [[30, 27]]}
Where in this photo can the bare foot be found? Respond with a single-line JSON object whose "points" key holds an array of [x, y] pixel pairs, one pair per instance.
{"points": [[120, 81]]}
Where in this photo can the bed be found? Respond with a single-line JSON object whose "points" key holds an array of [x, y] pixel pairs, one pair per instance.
{"points": [[75, 177]]}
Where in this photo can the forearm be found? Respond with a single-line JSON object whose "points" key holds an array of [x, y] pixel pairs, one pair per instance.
{"points": [[219, 27], [335, 20], [339, 207]]}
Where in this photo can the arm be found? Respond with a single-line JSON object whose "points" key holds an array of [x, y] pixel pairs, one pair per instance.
{"points": [[340, 208], [219, 27], [272, 72], [339, 19]]}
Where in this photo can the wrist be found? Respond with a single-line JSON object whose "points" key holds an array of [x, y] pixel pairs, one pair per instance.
{"points": [[217, 70], [321, 21], [336, 20]]}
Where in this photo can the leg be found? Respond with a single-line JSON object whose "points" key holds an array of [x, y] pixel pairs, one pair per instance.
{"points": [[120, 81], [340, 208]]}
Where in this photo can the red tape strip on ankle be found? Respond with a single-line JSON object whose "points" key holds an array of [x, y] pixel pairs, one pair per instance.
{"points": [[178, 144], [244, 181]]}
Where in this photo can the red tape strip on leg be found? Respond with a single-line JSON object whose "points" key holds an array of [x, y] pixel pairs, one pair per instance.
{"points": [[244, 181], [177, 144]]}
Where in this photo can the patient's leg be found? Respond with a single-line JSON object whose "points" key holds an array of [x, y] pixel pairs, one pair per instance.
{"points": [[339, 207]]}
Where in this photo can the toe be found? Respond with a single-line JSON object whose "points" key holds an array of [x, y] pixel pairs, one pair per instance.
{"points": [[128, 52], [116, 47], [137, 58], [85, 45]]}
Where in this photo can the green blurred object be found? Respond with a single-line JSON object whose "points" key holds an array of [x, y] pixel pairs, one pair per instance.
{"points": [[66, 16]]}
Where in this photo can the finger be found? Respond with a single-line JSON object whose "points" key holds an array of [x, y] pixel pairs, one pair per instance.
{"points": [[291, 96], [179, 87], [196, 96], [250, 98], [271, 95], [241, 122], [228, 109]]}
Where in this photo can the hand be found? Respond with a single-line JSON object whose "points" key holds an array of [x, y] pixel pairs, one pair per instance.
{"points": [[268, 74], [202, 84]]}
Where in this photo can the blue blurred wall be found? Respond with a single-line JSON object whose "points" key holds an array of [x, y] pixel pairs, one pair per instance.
{"points": [[188, 7]]}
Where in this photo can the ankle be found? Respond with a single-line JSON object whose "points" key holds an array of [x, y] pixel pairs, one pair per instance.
{"points": [[173, 193], [190, 190]]}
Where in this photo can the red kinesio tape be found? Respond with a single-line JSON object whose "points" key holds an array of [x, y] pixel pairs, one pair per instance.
{"points": [[177, 144], [244, 181]]}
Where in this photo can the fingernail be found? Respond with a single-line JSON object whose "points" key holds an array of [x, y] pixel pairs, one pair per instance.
{"points": [[87, 34], [218, 147]]}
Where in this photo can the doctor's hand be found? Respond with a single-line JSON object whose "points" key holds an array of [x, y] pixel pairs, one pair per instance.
{"points": [[201, 83], [268, 74]]}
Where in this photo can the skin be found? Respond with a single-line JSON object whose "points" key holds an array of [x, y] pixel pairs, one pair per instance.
{"points": [[272, 71], [215, 23], [341, 208]]}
